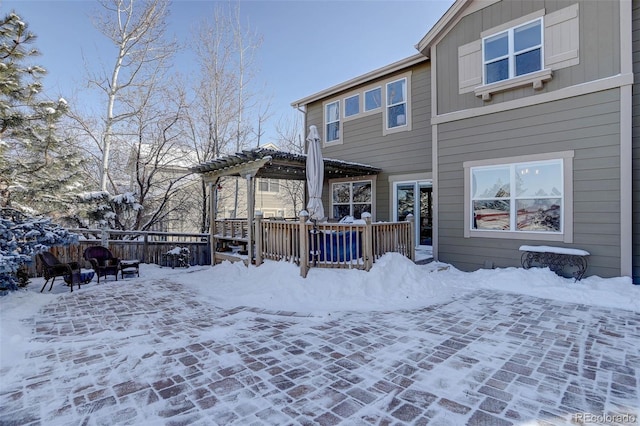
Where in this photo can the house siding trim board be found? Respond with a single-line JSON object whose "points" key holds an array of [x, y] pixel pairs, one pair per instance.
{"points": [[601, 85], [635, 172], [626, 140]]}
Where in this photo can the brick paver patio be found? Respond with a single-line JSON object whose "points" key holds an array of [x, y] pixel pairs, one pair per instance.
{"points": [[128, 353]]}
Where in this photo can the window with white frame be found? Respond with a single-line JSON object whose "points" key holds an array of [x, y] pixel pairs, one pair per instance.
{"points": [[351, 198], [332, 121], [514, 52], [372, 99], [397, 103], [269, 185], [518, 197], [352, 105]]}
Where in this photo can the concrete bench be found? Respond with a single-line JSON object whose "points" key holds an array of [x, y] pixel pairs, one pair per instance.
{"points": [[556, 259]]}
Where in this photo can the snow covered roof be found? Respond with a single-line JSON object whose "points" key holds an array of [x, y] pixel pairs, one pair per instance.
{"points": [[284, 165]]}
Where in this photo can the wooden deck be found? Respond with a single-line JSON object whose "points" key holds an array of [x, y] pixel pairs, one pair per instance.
{"points": [[325, 245]]}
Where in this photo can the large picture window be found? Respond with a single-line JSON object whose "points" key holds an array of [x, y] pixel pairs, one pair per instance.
{"points": [[351, 198], [518, 197], [511, 53]]}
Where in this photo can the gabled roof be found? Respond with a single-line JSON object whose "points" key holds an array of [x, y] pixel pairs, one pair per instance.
{"points": [[457, 10], [281, 165]]}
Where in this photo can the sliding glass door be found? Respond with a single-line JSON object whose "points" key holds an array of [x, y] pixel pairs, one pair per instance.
{"points": [[415, 198]]}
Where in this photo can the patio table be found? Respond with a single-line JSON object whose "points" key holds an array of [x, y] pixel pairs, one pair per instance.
{"points": [[130, 266]]}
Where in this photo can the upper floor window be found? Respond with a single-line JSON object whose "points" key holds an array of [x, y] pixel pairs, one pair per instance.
{"points": [[397, 103], [352, 105], [372, 99], [514, 52], [332, 121]]}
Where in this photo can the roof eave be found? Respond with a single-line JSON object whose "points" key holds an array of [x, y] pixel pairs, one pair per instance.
{"points": [[365, 78], [424, 45]]}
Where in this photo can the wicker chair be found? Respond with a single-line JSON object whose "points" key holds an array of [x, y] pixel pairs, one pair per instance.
{"points": [[102, 261], [52, 268]]}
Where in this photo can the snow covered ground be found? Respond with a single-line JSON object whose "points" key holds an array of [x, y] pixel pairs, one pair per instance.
{"points": [[394, 284]]}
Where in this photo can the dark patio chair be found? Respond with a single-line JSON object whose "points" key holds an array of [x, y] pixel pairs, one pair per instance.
{"points": [[52, 268], [102, 261]]}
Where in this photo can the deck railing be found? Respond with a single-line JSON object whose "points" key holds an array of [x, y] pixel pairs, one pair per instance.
{"points": [[331, 245], [232, 229], [148, 247]]}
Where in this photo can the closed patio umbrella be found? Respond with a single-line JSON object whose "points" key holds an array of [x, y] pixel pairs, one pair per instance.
{"points": [[315, 174]]}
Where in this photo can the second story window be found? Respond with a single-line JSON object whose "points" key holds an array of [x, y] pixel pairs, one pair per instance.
{"points": [[332, 121], [352, 105], [516, 51], [372, 99], [397, 103]]}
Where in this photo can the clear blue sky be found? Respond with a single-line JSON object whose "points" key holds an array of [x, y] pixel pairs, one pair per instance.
{"points": [[308, 45]]}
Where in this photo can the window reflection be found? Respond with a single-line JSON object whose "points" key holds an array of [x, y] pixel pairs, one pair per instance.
{"points": [[518, 197]]}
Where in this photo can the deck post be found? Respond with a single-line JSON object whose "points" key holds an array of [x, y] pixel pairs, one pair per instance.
{"points": [[145, 248], [250, 213], [367, 242], [304, 244], [213, 207], [412, 237], [258, 238]]}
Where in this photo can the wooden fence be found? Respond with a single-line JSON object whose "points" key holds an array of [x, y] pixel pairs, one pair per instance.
{"points": [[148, 247], [324, 245]]}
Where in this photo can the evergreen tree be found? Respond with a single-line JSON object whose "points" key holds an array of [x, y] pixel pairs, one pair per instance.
{"points": [[21, 237], [38, 170]]}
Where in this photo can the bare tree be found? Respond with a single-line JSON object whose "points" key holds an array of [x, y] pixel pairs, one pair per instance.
{"points": [[291, 139], [137, 28], [216, 119], [246, 43], [159, 161], [138, 133]]}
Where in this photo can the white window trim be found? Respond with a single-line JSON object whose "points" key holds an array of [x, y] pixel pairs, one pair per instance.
{"points": [[371, 179], [364, 101], [511, 53], [340, 122], [565, 236], [385, 116], [344, 106], [268, 182], [382, 109], [535, 79]]}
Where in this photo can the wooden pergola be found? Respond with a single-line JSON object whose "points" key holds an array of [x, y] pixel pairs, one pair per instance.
{"points": [[272, 164]]}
